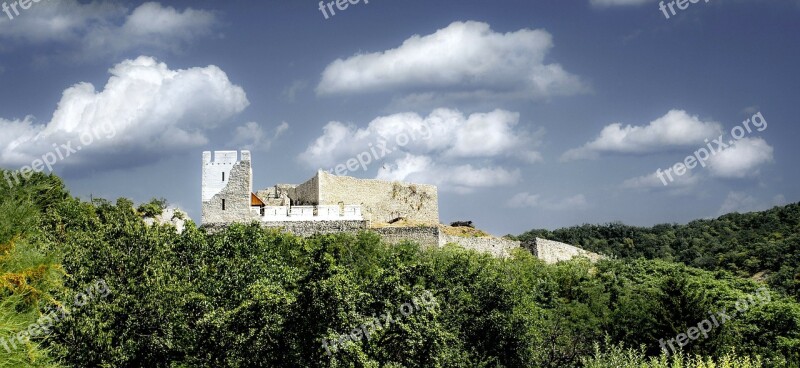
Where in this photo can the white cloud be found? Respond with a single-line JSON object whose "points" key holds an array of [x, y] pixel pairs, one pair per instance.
{"points": [[737, 161], [460, 179], [91, 30], [433, 148], [445, 133], [146, 111], [742, 203], [653, 182], [251, 136], [618, 2], [294, 89], [741, 160], [739, 202], [527, 200], [59, 21], [464, 59], [673, 130]]}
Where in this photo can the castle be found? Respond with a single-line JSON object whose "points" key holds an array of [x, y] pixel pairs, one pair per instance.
{"points": [[228, 196], [327, 203]]}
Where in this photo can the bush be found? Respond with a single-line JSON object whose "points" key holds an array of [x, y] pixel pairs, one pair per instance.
{"points": [[153, 208]]}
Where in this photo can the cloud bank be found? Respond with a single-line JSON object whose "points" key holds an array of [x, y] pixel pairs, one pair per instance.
{"points": [[437, 146], [465, 58], [528, 200], [676, 129], [100, 29], [153, 111]]}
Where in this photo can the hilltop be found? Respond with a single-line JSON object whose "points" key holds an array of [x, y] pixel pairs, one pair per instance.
{"points": [[250, 296], [764, 244]]}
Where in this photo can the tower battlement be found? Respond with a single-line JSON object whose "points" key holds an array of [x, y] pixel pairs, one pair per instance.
{"points": [[224, 157]]}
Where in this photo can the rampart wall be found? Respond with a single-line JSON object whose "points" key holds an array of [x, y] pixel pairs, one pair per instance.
{"points": [[553, 251], [497, 247], [427, 236], [432, 236], [382, 201]]}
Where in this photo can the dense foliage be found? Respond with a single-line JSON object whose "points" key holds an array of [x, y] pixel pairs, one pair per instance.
{"points": [[30, 274], [254, 297], [765, 244]]}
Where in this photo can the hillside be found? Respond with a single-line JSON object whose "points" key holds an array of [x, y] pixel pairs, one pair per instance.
{"points": [[253, 297], [762, 244]]}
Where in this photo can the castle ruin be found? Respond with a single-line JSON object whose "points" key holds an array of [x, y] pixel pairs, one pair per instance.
{"points": [[328, 203], [228, 197]]}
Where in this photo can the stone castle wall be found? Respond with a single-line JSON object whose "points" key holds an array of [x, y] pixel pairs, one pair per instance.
{"points": [[235, 194], [427, 236], [432, 236], [215, 170], [381, 201], [497, 247], [307, 194], [553, 251], [309, 228]]}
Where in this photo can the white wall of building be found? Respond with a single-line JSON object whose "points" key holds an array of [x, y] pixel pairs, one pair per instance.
{"points": [[213, 169]]}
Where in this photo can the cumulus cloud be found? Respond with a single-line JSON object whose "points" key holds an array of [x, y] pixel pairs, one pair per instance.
{"points": [[433, 148], [145, 111], [742, 203], [742, 159], [253, 137], [527, 200], [674, 130], [99, 28], [683, 185], [653, 182], [59, 21], [478, 62], [459, 178], [445, 133]]}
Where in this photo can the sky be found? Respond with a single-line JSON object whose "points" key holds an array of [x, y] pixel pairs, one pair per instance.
{"points": [[525, 114]]}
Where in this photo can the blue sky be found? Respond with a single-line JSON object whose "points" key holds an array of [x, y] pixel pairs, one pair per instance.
{"points": [[526, 114]]}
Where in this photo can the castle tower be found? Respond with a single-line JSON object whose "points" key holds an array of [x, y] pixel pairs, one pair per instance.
{"points": [[227, 182]]}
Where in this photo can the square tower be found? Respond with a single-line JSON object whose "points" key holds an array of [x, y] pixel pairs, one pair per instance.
{"points": [[227, 182]]}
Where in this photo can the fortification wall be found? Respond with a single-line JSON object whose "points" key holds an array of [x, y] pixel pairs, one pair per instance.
{"points": [[382, 201], [309, 228], [497, 247], [431, 236], [236, 197], [216, 170], [552, 251], [307, 194], [427, 236]]}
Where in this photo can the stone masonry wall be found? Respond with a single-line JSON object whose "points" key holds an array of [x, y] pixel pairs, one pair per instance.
{"points": [[309, 228], [236, 195], [553, 251], [424, 236], [307, 194], [382, 201], [431, 236], [497, 247]]}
